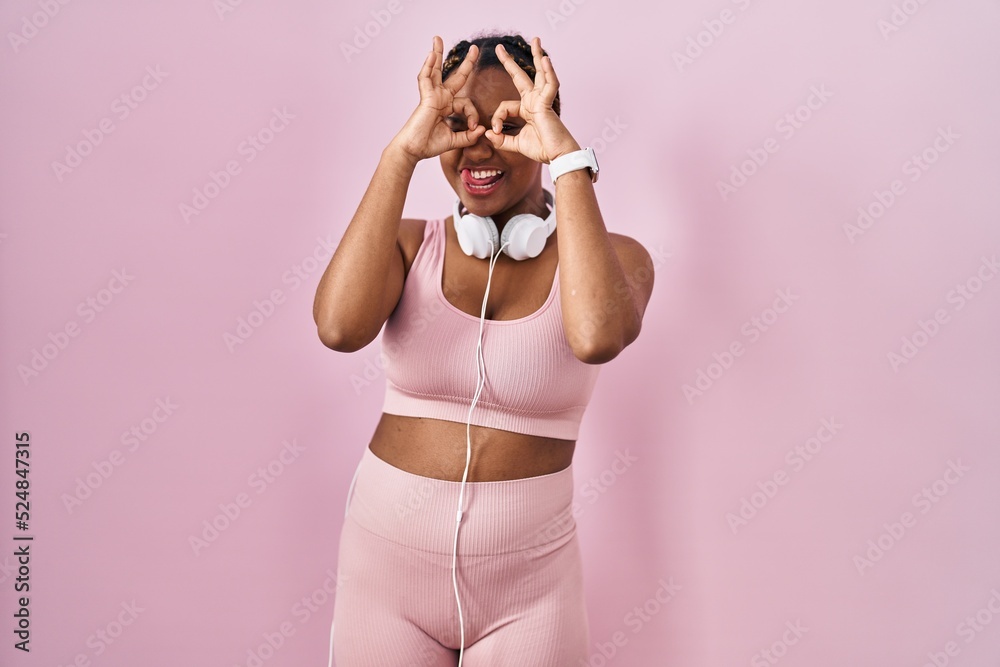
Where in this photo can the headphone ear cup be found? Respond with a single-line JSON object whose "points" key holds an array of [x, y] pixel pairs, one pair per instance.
{"points": [[526, 233], [475, 233]]}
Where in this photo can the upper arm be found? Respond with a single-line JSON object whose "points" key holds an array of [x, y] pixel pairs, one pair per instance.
{"points": [[407, 242]]}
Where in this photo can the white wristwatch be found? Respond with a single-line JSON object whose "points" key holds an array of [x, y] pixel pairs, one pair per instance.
{"points": [[583, 158]]}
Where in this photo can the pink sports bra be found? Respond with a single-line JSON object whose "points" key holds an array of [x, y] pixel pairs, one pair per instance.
{"points": [[534, 383]]}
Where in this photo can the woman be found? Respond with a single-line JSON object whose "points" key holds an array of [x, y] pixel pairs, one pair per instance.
{"points": [[460, 546]]}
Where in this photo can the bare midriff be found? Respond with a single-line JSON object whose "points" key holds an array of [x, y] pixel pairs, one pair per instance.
{"points": [[437, 448]]}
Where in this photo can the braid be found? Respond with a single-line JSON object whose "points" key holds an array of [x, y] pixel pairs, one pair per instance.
{"points": [[515, 45], [454, 58]]}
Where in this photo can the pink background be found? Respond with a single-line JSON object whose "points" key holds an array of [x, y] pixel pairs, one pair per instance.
{"points": [[671, 134]]}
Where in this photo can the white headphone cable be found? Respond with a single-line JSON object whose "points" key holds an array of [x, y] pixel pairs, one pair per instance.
{"points": [[480, 382]]}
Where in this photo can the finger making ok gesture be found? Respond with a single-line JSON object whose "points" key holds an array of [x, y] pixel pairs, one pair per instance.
{"points": [[543, 136], [426, 133]]}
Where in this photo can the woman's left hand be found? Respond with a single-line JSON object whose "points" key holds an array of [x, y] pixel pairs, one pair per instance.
{"points": [[543, 137]]}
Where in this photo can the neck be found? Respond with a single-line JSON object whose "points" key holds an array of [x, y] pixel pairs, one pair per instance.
{"points": [[532, 203]]}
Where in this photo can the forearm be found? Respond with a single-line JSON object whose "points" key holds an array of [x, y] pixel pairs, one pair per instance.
{"points": [[350, 293], [599, 311]]}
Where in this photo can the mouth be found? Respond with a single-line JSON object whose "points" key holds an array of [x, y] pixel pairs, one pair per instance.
{"points": [[482, 182]]}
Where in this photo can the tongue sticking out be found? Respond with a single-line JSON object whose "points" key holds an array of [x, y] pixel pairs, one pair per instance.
{"points": [[469, 178]]}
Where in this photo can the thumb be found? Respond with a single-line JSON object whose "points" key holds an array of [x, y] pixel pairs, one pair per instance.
{"points": [[468, 137], [501, 141]]}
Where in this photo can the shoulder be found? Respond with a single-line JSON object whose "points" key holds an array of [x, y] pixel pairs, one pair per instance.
{"points": [[637, 264], [411, 236]]}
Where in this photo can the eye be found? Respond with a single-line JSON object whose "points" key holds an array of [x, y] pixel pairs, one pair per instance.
{"points": [[510, 129], [456, 124]]}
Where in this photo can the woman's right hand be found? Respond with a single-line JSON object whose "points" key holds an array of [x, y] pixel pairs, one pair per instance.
{"points": [[427, 133]]}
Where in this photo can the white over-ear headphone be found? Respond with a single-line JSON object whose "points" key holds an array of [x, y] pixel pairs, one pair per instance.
{"points": [[523, 236]]}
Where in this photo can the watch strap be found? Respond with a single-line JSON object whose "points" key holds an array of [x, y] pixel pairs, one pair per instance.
{"points": [[581, 159]]}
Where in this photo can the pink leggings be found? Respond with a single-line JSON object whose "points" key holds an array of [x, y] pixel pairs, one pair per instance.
{"points": [[519, 572]]}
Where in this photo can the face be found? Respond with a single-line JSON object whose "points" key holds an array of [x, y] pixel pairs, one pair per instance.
{"points": [[519, 189]]}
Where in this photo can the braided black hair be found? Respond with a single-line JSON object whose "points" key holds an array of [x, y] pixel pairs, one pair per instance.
{"points": [[515, 45]]}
